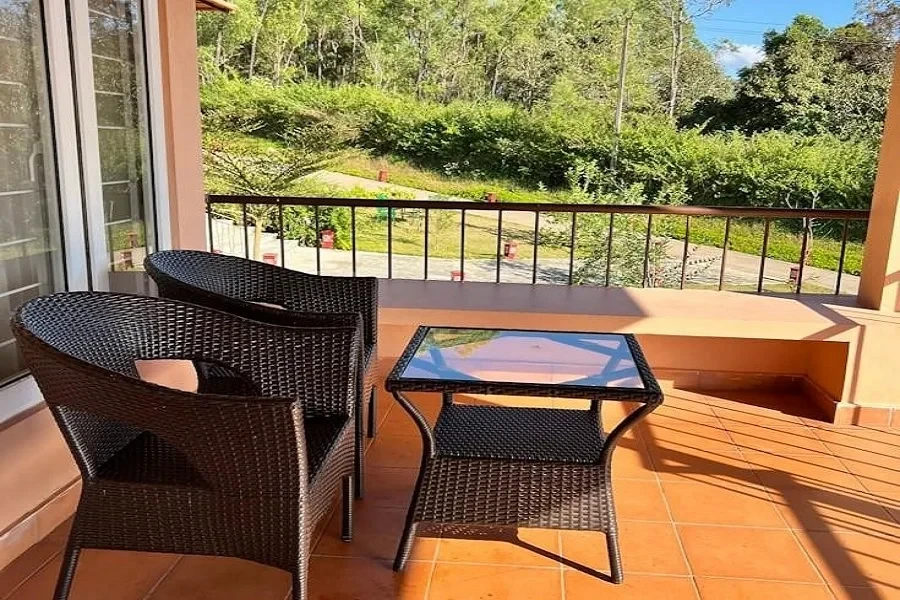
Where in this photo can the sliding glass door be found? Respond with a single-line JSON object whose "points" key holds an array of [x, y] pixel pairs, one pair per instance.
{"points": [[77, 156], [112, 92], [31, 256]]}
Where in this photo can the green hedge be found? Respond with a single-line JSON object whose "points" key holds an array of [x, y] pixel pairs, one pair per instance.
{"points": [[497, 140]]}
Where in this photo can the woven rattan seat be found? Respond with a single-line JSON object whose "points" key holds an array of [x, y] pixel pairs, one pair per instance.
{"points": [[247, 475]]}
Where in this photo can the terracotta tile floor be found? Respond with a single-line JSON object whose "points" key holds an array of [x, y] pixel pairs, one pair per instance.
{"points": [[720, 496]]}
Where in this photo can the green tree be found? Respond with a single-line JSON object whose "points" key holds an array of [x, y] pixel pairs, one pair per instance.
{"points": [[813, 80], [241, 165]]}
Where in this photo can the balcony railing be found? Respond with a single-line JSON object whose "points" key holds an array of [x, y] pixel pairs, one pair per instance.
{"points": [[840, 227]]}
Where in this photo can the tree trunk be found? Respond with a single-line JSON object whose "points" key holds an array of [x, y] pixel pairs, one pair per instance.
{"points": [[320, 56], [675, 61], [495, 79], [255, 40], [219, 59], [620, 100]]}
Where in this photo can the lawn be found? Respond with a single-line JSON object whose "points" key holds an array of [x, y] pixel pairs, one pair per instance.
{"points": [[746, 235]]}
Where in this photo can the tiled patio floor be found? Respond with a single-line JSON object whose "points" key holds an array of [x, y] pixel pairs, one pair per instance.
{"points": [[725, 496]]}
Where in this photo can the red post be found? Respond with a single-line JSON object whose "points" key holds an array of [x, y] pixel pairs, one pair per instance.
{"points": [[511, 249], [326, 239], [382, 175], [270, 258], [457, 276]]}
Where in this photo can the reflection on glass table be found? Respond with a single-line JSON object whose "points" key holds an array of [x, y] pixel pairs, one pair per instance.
{"points": [[531, 357]]}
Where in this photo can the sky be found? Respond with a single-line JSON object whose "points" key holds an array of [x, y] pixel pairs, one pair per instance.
{"points": [[743, 23]]}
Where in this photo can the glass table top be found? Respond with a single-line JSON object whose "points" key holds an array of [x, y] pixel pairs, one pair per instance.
{"points": [[532, 357]]}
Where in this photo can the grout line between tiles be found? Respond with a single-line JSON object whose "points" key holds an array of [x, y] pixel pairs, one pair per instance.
{"points": [[562, 571], [662, 491], [793, 533], [164, 576], [427, 594], [31, 574]]}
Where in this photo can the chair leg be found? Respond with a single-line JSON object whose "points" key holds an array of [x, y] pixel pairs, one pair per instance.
{"points": [[67, 571], [405, 547], [372, 415], [359, 465], [615, 556], [298, 592], [347, 502]]}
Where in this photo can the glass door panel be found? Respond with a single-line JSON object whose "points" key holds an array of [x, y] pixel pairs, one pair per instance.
{"points": [[31, 262], [120, 97]]}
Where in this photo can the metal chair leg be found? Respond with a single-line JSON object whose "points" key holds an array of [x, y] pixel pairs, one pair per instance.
{"points": [[372, 416], [347, 501], [67, 571]]}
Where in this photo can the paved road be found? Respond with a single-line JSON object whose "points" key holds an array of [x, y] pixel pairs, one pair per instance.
{"points": [[741, 270]]}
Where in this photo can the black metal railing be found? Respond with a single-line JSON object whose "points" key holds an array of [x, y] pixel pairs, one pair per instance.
{"points": [[843, 218]]}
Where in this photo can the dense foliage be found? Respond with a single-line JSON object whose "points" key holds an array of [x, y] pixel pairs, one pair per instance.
{"points": [[813, 80], [539, 147], [521, 51]]}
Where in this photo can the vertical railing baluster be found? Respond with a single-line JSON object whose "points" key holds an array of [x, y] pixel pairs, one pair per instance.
{"points": [[609, 248], [572, 248], [390, 227], [724, 252], [246, 233], [209, 220], [499, 241], [318, 241], [353, 238], [281, 232], [462, 245], [840, 272], [762, 258], [426, 245], [684, 253], [646, 279], [803, 246], [537, 225]]}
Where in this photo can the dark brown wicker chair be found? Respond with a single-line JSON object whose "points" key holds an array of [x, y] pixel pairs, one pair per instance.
{"points": [[165, 470], [244, 287]]}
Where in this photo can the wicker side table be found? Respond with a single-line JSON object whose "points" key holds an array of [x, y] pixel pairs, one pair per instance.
{"points": [[510, 466]]}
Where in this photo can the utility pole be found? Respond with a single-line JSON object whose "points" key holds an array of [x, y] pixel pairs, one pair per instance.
{"points": [[620, 101]]}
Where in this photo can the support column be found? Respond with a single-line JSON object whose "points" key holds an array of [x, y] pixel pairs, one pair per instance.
{"points": [[181, 97], [879, 286]]}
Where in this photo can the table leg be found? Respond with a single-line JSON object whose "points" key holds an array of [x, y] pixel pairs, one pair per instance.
{"points": [[428, 444]]}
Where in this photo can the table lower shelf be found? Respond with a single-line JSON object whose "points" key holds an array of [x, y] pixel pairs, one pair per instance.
{"points": [[519, 493], [511, 433]]}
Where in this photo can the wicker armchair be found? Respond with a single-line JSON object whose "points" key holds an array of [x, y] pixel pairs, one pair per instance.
{"points": [[245, 288], [165, 470]]}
